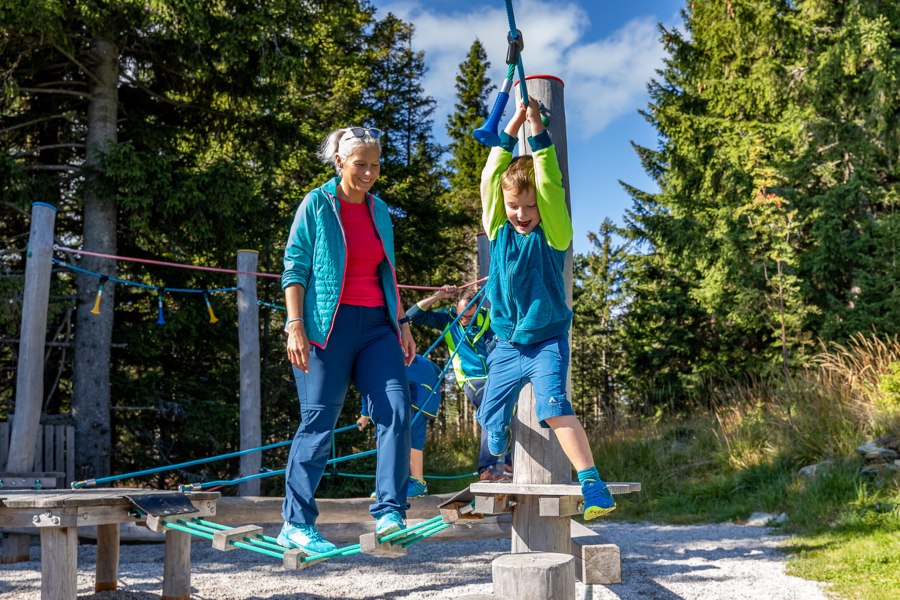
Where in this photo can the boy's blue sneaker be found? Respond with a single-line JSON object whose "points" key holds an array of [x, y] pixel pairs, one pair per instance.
{"points": [[498, 442], [390, 522], [305, 537], [416, 488], [598, 501]]}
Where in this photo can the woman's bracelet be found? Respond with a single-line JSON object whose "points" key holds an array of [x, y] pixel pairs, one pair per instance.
{"points": [[289, 321], [403, 320]]}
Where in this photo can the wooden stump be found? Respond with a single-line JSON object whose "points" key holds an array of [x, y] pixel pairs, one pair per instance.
{"points": [[534, 576]]}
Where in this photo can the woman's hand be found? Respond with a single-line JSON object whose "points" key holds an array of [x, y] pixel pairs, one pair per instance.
{"points": [[298, 346], [446, 291], [361, 422], [408, 344]]}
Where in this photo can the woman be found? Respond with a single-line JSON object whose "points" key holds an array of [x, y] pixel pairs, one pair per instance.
{"points": [[344, 321]]}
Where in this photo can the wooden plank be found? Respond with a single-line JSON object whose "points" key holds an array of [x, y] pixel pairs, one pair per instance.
{"points": [[177, 566], [30, 481], [493, 505], [107, 567], [4, 443], [597, 562], [70, 453], [49, 439], [370, 544], [59, 450], [222, 539], [518, 488], [544, 575], [559, 506], [38, 449], [59, 561]]}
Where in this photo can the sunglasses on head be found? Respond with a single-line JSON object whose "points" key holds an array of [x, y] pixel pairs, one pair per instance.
{"points": [[362, 132]]}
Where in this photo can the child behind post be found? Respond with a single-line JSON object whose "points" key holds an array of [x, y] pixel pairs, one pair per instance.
{"points": [[525, 217]]}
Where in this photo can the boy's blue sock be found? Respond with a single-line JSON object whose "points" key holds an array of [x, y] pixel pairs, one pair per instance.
{"points": [[590, 474]]}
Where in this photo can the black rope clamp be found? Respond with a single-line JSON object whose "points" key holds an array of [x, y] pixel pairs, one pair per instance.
{"points": [[516, 45]]}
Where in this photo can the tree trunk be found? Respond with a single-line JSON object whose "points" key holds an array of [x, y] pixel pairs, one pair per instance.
{"points": [[93, 333]]}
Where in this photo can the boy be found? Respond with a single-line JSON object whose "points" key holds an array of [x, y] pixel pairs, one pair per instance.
{"points": [[525, 217], [425, 381]]}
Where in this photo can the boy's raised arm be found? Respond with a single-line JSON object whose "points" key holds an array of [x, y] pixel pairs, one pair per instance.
{"points": [[493, 215], [551, 195]]}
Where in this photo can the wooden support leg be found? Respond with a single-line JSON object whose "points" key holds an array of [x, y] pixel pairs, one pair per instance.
{"points": [[545, 575], [107, 574], [14, 548], [59, 563], [177, 566]]}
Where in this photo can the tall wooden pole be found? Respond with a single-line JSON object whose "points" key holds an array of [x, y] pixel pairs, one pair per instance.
{"points": [[248, 334], [32, 337], [539, 458]]}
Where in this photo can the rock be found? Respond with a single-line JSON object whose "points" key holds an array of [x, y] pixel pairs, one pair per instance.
{"points": [[811, 470], [878, 468], [888, 441], [781, 519], [866, 448], [760, 519], [877, 455]]}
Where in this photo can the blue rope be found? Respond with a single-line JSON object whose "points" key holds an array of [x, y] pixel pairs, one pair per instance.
{"points": [[514, 33]]}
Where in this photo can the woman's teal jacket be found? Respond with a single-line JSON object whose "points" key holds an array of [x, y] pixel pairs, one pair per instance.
{"points": [[316, 258]]}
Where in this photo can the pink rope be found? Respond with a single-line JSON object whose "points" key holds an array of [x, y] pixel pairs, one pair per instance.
{"points": [[218, 270]]}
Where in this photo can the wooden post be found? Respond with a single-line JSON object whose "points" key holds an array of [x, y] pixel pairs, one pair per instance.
{"points": [[177, 566], [539, 458], [248, 334], [544, 575], [107, 568], [30, 374], [59, 563]]}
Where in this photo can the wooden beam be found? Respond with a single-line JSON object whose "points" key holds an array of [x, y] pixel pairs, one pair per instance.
{"points": [[248, 336], [59, 563], [596, 560], [107, 567], [177, 566]]}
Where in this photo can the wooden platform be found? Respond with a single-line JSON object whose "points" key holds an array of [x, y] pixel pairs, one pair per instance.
{"points": [[539, 489], [57, 515]]}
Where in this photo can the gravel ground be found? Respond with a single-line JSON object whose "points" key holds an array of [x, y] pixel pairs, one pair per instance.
{"points": [[659, 562]]}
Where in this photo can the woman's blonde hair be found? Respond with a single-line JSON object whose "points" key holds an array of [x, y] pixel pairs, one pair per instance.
{"points": [[341, 142]]}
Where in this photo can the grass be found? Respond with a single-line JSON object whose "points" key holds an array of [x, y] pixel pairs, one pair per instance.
{"points": [[743, 456]]}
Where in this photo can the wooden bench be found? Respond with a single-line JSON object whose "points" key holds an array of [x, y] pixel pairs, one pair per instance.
{"points": [[58, 515]]}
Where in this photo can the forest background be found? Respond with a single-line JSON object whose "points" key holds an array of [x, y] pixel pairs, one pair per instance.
{"points": [[741, 324]]}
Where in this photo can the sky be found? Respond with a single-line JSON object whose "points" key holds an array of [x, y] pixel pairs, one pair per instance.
{"points": [[605, 51]]}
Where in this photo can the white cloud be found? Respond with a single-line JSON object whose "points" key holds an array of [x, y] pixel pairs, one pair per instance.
{"points": [[605, 78]]}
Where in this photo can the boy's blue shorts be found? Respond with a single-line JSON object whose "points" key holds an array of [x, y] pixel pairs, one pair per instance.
{"points": [[510, 366]]}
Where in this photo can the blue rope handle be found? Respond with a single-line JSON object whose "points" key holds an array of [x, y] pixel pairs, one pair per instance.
{"points": [[514, 34]]}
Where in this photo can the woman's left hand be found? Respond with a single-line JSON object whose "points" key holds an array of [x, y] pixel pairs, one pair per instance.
{"points": [[407, 343]]}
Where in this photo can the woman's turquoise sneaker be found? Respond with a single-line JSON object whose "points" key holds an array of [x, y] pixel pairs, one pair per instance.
{"points": [[305, 537], [390, 522], [598, 501], [416, 488]]}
